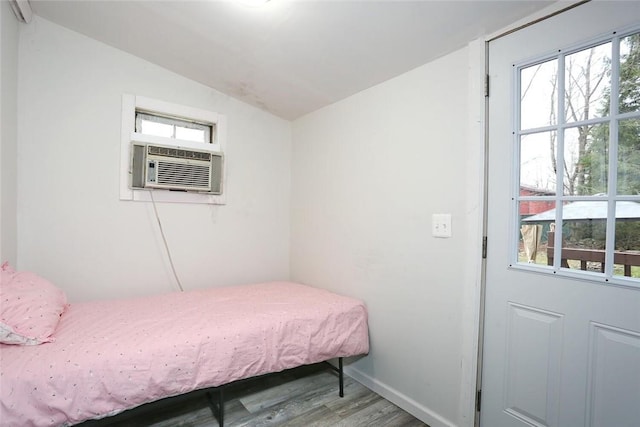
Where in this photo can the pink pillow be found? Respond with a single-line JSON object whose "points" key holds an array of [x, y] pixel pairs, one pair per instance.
{"points": [[6, 273], [30, 307]]}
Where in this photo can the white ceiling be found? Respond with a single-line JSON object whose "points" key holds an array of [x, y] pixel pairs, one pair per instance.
{"points": [[287, 57]]}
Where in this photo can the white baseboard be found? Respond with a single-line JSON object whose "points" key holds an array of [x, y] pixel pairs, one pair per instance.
{"points": [[399, 399]]}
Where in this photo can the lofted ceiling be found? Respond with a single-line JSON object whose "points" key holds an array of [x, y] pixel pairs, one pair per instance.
{"points": [[287, 57]]}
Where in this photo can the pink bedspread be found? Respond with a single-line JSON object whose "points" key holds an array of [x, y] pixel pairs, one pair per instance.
{"points": [[109, 356]]}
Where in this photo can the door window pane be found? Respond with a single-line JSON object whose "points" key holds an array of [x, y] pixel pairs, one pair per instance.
{"points": [[627, 247], [584, 232], [587, 83], [586, 160], [536, 217], [539, 95], [629, 98], [629, 157], [537, 162]]}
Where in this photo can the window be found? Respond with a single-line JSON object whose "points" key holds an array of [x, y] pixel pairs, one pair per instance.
{"points": [[174, 128], [577, 139], [151, 122]]}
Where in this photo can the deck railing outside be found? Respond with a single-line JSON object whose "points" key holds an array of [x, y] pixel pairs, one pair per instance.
{"points": [[626, 259]]}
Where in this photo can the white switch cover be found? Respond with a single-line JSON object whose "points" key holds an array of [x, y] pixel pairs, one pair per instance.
{"points": [[441, 225]]}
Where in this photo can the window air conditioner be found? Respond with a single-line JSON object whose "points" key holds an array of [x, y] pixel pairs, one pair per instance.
{"points": [[174, 168]]}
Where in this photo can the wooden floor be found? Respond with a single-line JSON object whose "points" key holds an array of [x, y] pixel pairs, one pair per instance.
{"points": [[306, 396]]}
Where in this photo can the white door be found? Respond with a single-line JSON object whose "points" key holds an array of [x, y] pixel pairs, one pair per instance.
{"points": [[561, 345]]}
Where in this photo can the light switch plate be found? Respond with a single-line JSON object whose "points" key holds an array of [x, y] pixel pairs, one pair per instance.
{"points": [[441, 225]]}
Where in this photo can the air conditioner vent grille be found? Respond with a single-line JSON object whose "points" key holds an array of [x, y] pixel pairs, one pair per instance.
{"points": [[178, 153], [183, 175]]}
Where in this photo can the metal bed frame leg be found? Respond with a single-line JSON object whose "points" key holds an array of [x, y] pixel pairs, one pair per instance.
{"points": [[340, 372], [221, 407], [217, 410], [341, 376]]}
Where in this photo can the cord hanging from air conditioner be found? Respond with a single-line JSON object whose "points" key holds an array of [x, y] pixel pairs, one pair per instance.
{"points": [[164, 239]]}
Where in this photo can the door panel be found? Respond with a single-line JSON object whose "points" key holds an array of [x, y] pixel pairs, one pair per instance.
{"points": [[614, 389], [532, 363], [557, 351]]}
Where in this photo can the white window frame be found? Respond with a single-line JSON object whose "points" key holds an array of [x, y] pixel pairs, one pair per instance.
{"points": [[131, 103], [612, 197]]}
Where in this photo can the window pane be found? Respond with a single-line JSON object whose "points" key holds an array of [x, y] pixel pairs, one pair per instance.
{"points": [[630, 73], [586, 154], [587, 83], [197, 135], [584, 235], [629, 157], [627, 253], [156, 129], [170, 127], [538, 95], [535, 219], [537, 162]]}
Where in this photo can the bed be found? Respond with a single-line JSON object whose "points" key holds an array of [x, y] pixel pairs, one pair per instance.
{"points": [[105, 357]]}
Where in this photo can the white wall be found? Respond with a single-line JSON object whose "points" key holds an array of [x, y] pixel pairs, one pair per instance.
{"points": [[8, 132], [368, 172], [74, 230]]}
